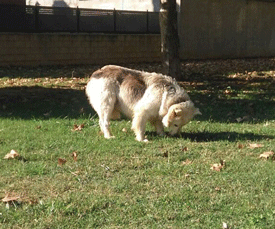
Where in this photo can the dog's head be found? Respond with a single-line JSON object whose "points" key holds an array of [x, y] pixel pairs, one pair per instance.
{"points": [[178, 115]]}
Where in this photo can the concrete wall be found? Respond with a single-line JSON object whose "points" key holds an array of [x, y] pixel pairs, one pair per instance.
{"points": [[207, 28], [59, 49], [226, 29]]}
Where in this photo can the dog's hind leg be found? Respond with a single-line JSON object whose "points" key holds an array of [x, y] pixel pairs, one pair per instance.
{"points": [[104, 126], [102, 96], [105, 113], [104, 122]]}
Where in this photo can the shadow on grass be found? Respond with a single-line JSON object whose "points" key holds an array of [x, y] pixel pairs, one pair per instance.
{"points": [[224, 136], [218, 109], [207, 136], [225, 99], [40, 102]]}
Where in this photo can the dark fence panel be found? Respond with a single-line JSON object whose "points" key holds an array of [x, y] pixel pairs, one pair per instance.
{"points": [[153, 22], [96, 20], [30, 19], [129, 21], [57, 19], [15, 18]]}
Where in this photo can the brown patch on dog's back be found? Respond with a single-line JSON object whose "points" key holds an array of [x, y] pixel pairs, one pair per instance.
{"points": [[97, 74], [108, 72], [135, 86], [130, 80], [162, 82]]}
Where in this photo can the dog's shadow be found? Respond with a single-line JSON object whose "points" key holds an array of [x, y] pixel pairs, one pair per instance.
{"points": [[220, 136]]}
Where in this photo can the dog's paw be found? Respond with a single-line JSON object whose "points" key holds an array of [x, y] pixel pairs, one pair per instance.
{"points": [[142, 140], [110, 137]]}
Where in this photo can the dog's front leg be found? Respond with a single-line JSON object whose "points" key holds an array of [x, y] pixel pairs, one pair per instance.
{"points": [[159, 126], [138, 126]]}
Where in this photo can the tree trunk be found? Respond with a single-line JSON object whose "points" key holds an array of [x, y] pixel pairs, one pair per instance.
{"points": [[169, 38]]}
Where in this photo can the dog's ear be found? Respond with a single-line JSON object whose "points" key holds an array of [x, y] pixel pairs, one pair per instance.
{"points": [[171, 115], [178, 112], [197, 112]]}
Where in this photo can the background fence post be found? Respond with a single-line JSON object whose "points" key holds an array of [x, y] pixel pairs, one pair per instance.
{"points": [[147, 22], [77, 20], [114, 20], [36, 18]]}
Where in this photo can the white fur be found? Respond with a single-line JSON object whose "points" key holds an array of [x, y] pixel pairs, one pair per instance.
{"points": [[141, 96]]}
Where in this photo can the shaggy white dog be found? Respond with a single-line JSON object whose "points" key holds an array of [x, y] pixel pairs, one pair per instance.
{"points": [[141, 96]]}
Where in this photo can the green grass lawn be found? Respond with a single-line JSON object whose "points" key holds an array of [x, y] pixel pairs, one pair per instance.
{"points": [[122, 183]]}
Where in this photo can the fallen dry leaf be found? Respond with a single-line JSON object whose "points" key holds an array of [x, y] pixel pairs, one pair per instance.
{"points": [[78, 127], [74, 155], [11, 155], [10, 197], [13, 198], [266, 155], [61, 161], [184, 149], [187, 162], [240, 146], [217, 189], [217, 167], [255, 145]]}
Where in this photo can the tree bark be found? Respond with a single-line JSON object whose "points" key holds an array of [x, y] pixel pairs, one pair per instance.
{"points": [[169, 38]]}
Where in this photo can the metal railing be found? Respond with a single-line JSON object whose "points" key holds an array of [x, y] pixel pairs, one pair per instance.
{"points": [[15, 18]]}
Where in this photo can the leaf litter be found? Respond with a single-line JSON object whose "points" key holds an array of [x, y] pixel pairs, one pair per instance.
{"points": [[14, 199], [186, 162], [218, 166], [240, 146], [267, 155], [255, 145], [10, 197], [74, 155], [78, 127], [12, 155], [61, 161]]}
